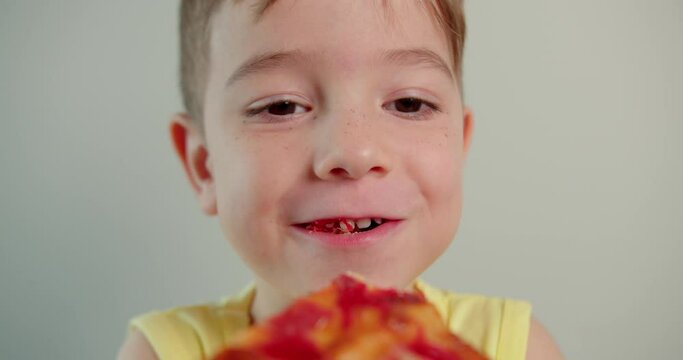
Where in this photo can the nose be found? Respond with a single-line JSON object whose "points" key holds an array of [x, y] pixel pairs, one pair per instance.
{"points": [[350, 147]]}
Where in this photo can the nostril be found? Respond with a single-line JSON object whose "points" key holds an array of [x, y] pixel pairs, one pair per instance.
{"points": [[339, 172], [378, 169]]}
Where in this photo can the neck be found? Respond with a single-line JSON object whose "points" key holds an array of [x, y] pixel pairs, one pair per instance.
{"points": [[268, 301]]}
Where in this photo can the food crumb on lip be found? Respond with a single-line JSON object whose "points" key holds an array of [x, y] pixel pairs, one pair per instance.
{"points": [[343, 225]]}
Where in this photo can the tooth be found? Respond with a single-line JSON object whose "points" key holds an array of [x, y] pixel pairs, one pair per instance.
{"points": [[378, 221], [347, 226], [363, 223]]}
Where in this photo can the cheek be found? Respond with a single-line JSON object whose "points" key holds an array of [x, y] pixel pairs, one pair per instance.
{"points": [[254, 175], [443, 193], [437, 162], [243, 205], [436, 166]]}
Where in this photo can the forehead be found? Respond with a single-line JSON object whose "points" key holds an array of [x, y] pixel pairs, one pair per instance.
{"points": [[346, 32]]}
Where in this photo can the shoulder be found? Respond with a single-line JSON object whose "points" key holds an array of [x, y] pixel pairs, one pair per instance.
{"points": [[170, 334], [541, 345], [188, 332], [136, 347], [499, 327], [496, 326]]}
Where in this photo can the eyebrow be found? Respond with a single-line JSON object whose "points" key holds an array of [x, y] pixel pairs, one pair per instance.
{"points": [[266, 62], [417, 57], [273, 60]]}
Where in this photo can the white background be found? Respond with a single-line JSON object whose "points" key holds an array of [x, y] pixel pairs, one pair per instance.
{"points": [[573, 195]]}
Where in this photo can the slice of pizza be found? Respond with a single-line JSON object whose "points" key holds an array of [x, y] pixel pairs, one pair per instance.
{"points": [[350, 320]]}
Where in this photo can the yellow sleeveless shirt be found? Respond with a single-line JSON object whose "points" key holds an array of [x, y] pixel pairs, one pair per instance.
{"points": [[497, 327]]}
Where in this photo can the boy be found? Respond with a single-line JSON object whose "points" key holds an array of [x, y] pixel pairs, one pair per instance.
{"points": [[311, 112]]}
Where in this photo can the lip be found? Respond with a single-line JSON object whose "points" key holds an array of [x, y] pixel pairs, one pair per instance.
{"points": [[348, 216], [359, 239]]}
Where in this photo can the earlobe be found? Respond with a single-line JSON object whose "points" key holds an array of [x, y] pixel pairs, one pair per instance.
{"points": [[467, 129], [194, 156], [207, 193]]}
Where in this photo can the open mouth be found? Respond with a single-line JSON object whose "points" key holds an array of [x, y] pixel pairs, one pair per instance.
{"points": [[343, 226]]}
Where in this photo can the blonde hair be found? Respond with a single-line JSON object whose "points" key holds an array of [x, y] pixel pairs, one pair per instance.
{"points": [[195, 34]]}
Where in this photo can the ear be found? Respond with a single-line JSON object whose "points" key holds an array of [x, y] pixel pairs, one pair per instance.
{"points": [[190, 147], [467, 129]]}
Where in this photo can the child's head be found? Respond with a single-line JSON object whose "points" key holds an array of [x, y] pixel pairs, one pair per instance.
{"points": [[307, 110], [196, 32]]}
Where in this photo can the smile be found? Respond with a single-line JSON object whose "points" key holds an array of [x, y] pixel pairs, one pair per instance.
{"points": [[343, 232], [343, 226]]}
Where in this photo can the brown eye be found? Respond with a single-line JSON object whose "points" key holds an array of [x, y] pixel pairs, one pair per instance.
{"points": [[412, 108], [408, 105], [282, 108]]}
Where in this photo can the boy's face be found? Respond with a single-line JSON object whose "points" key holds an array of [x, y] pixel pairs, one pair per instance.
{"points": [[348, 142]]}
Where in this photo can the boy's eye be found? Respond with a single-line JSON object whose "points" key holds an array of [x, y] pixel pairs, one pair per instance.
{"points": [[413, 108], [408, 105], [282, 108]]}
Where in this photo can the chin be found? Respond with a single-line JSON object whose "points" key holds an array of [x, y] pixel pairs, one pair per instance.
{"points": [[382, 276]]}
